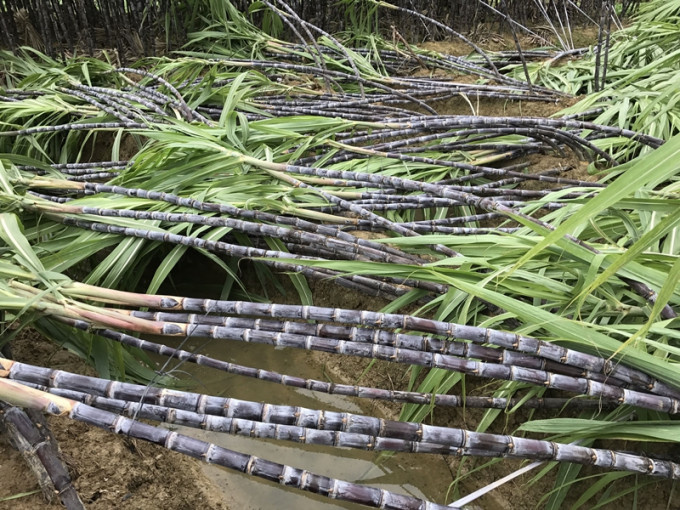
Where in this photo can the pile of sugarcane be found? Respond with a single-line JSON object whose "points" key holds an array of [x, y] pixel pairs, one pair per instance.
{"points": [[249, 148], [601, 382]]}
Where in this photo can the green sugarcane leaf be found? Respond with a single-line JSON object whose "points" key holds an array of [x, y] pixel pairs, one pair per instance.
{"points": [[661, 300], [668, 224], [577, 334], [644, 172], [592, 490], [11, 233], [649, 430]]}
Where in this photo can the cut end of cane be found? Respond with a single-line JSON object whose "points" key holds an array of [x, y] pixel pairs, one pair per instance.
{"points": [[5, 367], [19, 395]]}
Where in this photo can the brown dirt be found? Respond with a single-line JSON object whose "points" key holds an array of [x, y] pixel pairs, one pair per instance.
{"points": [[490, 40], [108, 471]]}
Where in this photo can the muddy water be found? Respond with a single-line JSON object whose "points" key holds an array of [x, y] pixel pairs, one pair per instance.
{"points": [[422, 476]]}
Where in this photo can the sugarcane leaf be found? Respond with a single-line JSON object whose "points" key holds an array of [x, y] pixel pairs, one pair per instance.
{"points": [[11, 234], [577, 334], [645, 172], [649, 430], [19, 495], [164, 268], [661, 300], [668, 224], [592, 490]]}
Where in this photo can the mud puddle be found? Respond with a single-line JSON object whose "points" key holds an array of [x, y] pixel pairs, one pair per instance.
{"points": [[422, 476]]}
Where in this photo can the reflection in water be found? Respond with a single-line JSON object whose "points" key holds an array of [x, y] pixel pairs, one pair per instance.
{"points": [[422, 476]]}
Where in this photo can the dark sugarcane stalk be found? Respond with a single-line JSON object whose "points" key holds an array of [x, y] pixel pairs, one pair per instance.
{"points": [[517, 45], [73, 127], [449, 30], [187, 113], [450, 121], [84, 25], [486, 204], [511, 372], [44, 25], [363, 284], [446, 62], [607, 36], [409, 342], [50, 198], [213, 454], [382, 206], [8, 30], [314, 53], [597, 83], [133, 98], [28, 433], [524, 147], [551, 136], [410, 397], [98, 176], [326, 105], [58, 30], [260, 64], [505, 340], [541, 377], [119, 112], [318, 48], [468, 442], [286, 111], [268, 428], [77, 168], [424, 200], [464, 231], [239, 213], [250, 428], [332, 244], [121, 102], [361, 212]]}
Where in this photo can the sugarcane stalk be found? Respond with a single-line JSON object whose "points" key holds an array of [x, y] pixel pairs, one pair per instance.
{"points": [[502, 339], [224, 209], [73, 127], [410, 397], [333, 244], [384, 338], [268, 428], [381, 321], [187, 112], [592, 385], [448, 30], [118, 112], [379, 288], [314, 53], [211, 453], [30, 435], [469, 443], [544, 378]]}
